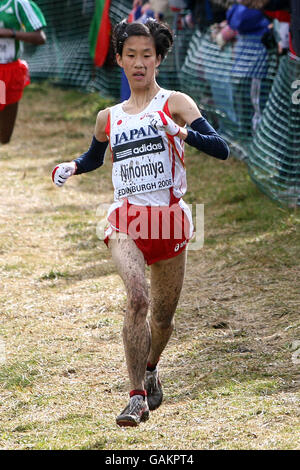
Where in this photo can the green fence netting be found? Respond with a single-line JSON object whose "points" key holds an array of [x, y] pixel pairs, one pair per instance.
{"points": [[252, 97], [65, 58], [243, 88], [274, 154], [231, 83]]}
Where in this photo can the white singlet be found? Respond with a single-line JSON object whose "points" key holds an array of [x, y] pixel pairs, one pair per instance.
{"points": [[148, 166]]}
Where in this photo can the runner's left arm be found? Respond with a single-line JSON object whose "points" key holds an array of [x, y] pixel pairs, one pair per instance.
{"points": [[201, 134]]}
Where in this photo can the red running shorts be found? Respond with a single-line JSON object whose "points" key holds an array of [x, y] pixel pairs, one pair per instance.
{"points": [[14, 77], [159, 232]]}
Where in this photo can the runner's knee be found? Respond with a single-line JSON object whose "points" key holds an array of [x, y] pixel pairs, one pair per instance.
{"points": [[138, 301], [162, 323]]}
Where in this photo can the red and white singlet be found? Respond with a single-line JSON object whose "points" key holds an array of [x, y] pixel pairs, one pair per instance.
{"points": [[149, 180]]}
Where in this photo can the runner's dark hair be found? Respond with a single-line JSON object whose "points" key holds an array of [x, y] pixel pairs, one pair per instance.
{"points": [[160, 32]]}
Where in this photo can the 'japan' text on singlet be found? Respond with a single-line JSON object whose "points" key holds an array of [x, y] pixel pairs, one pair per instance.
{"points": [[144, 158]]}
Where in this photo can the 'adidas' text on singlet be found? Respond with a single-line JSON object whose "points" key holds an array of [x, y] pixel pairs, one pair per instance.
{"points": [[145, 161]]}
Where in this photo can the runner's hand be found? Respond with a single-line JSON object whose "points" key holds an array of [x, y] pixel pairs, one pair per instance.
{"points": [[162, 122], [62, 172]]}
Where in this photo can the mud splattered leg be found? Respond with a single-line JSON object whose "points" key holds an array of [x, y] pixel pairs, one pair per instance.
{"points": [[130, 263], [166, 284]]}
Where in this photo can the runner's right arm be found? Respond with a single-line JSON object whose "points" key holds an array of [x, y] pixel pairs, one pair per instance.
{"points": [[94, 157], [88, 161]]}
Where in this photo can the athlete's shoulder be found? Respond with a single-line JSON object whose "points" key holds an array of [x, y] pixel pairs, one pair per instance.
{"points": [[101, 123], [29, 14], [179, 98], [183, 108], [102, 117], [25, 4], [104, 114]]}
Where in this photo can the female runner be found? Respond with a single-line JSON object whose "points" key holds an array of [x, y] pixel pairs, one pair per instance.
{"points": [[149, 222]]}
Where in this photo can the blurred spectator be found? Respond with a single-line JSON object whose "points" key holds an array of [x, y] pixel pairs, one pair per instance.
{"points": [[247, 20], [284, 11], [281, 34], [250, 65], [141, 11], [295, 27], [281, 25], [159, 7], [246, 26], [201, 13], [222, 33], [266, 4]]}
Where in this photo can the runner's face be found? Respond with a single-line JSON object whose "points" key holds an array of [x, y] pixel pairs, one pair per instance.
{"points": [[139, 61]]}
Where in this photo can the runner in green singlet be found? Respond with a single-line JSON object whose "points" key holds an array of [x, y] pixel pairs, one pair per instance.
{"points": [[20, 20]]}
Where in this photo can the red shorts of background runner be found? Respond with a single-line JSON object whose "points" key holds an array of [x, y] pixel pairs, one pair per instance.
{"points": [[159, 232], [15, 76]]}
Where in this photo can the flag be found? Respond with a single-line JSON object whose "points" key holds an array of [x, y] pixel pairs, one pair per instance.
{"points": [[100, 31]]}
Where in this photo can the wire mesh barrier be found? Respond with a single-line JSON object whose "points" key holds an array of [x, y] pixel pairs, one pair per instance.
{"points": [[241, 86], [254, 103], [65, 58], [231, 83], [274, 155]]}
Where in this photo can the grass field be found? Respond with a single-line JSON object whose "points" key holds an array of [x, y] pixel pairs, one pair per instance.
{"points": [[231, 370]]}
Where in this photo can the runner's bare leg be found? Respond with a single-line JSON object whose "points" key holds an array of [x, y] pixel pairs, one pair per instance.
{"points": [[7, 122], [130, 264], [166, 283]]}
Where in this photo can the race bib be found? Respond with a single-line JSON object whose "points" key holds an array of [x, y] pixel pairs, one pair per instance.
{"points": [[7, 50], [140, 167]]}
